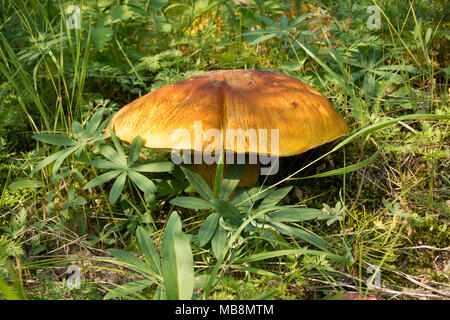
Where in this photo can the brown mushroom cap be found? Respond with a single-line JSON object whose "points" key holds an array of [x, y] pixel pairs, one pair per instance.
{"points": [[233, 99]]}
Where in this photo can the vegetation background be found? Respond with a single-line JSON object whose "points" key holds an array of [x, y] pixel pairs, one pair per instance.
{"points": [[363, 217]]}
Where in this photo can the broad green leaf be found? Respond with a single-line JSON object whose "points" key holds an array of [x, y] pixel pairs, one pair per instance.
{"points": [[169, 187], [297, 20], [177, 261], [54, 139], [160, 293], [298, 233], [198, 183], [77, 130], [118, 146], [191, 203], [101, 35], [142, 182], [130, 261], [228, 212], [135, 149], [268, 21], [275, 197], [25, 184], [154, 166], [117, 188], [262, 38], [218, 177], [156, 5], [102, 179], [148, 250], [208, 228], [119, 13], [246, 198], [47, 161], [219, 241], [62, 157], [283, 22], [232, 177], [128, 289], [295, 214], [105, 164]]}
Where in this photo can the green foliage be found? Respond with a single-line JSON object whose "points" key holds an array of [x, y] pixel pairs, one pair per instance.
{"points": [[122, 168], [173, 272], [328, 214]]}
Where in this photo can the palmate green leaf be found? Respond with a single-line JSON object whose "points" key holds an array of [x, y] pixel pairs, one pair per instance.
{"points": [[142, 182], [63, 156], [101, 128], [177, 261], [191, 203], [117, 188], [208, 228], [148, 250], [94, 122], [118, 146], [102, 179], [295, 214], [135, 149], [47, 161], [78, 131], [112, 155], [55, 139], [198, 183], [154, 166]]}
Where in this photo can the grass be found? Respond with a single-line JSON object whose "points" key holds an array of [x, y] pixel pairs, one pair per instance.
{"points": [[383, 190]]}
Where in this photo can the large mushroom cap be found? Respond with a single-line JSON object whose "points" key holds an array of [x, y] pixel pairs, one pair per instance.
{"points": [[233, 99]]}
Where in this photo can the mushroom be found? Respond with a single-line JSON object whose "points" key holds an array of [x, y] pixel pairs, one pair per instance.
{"points": [[223, 110]]}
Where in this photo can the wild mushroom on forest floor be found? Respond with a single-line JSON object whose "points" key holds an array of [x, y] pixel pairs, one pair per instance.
{"points": [[243, 112]]}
